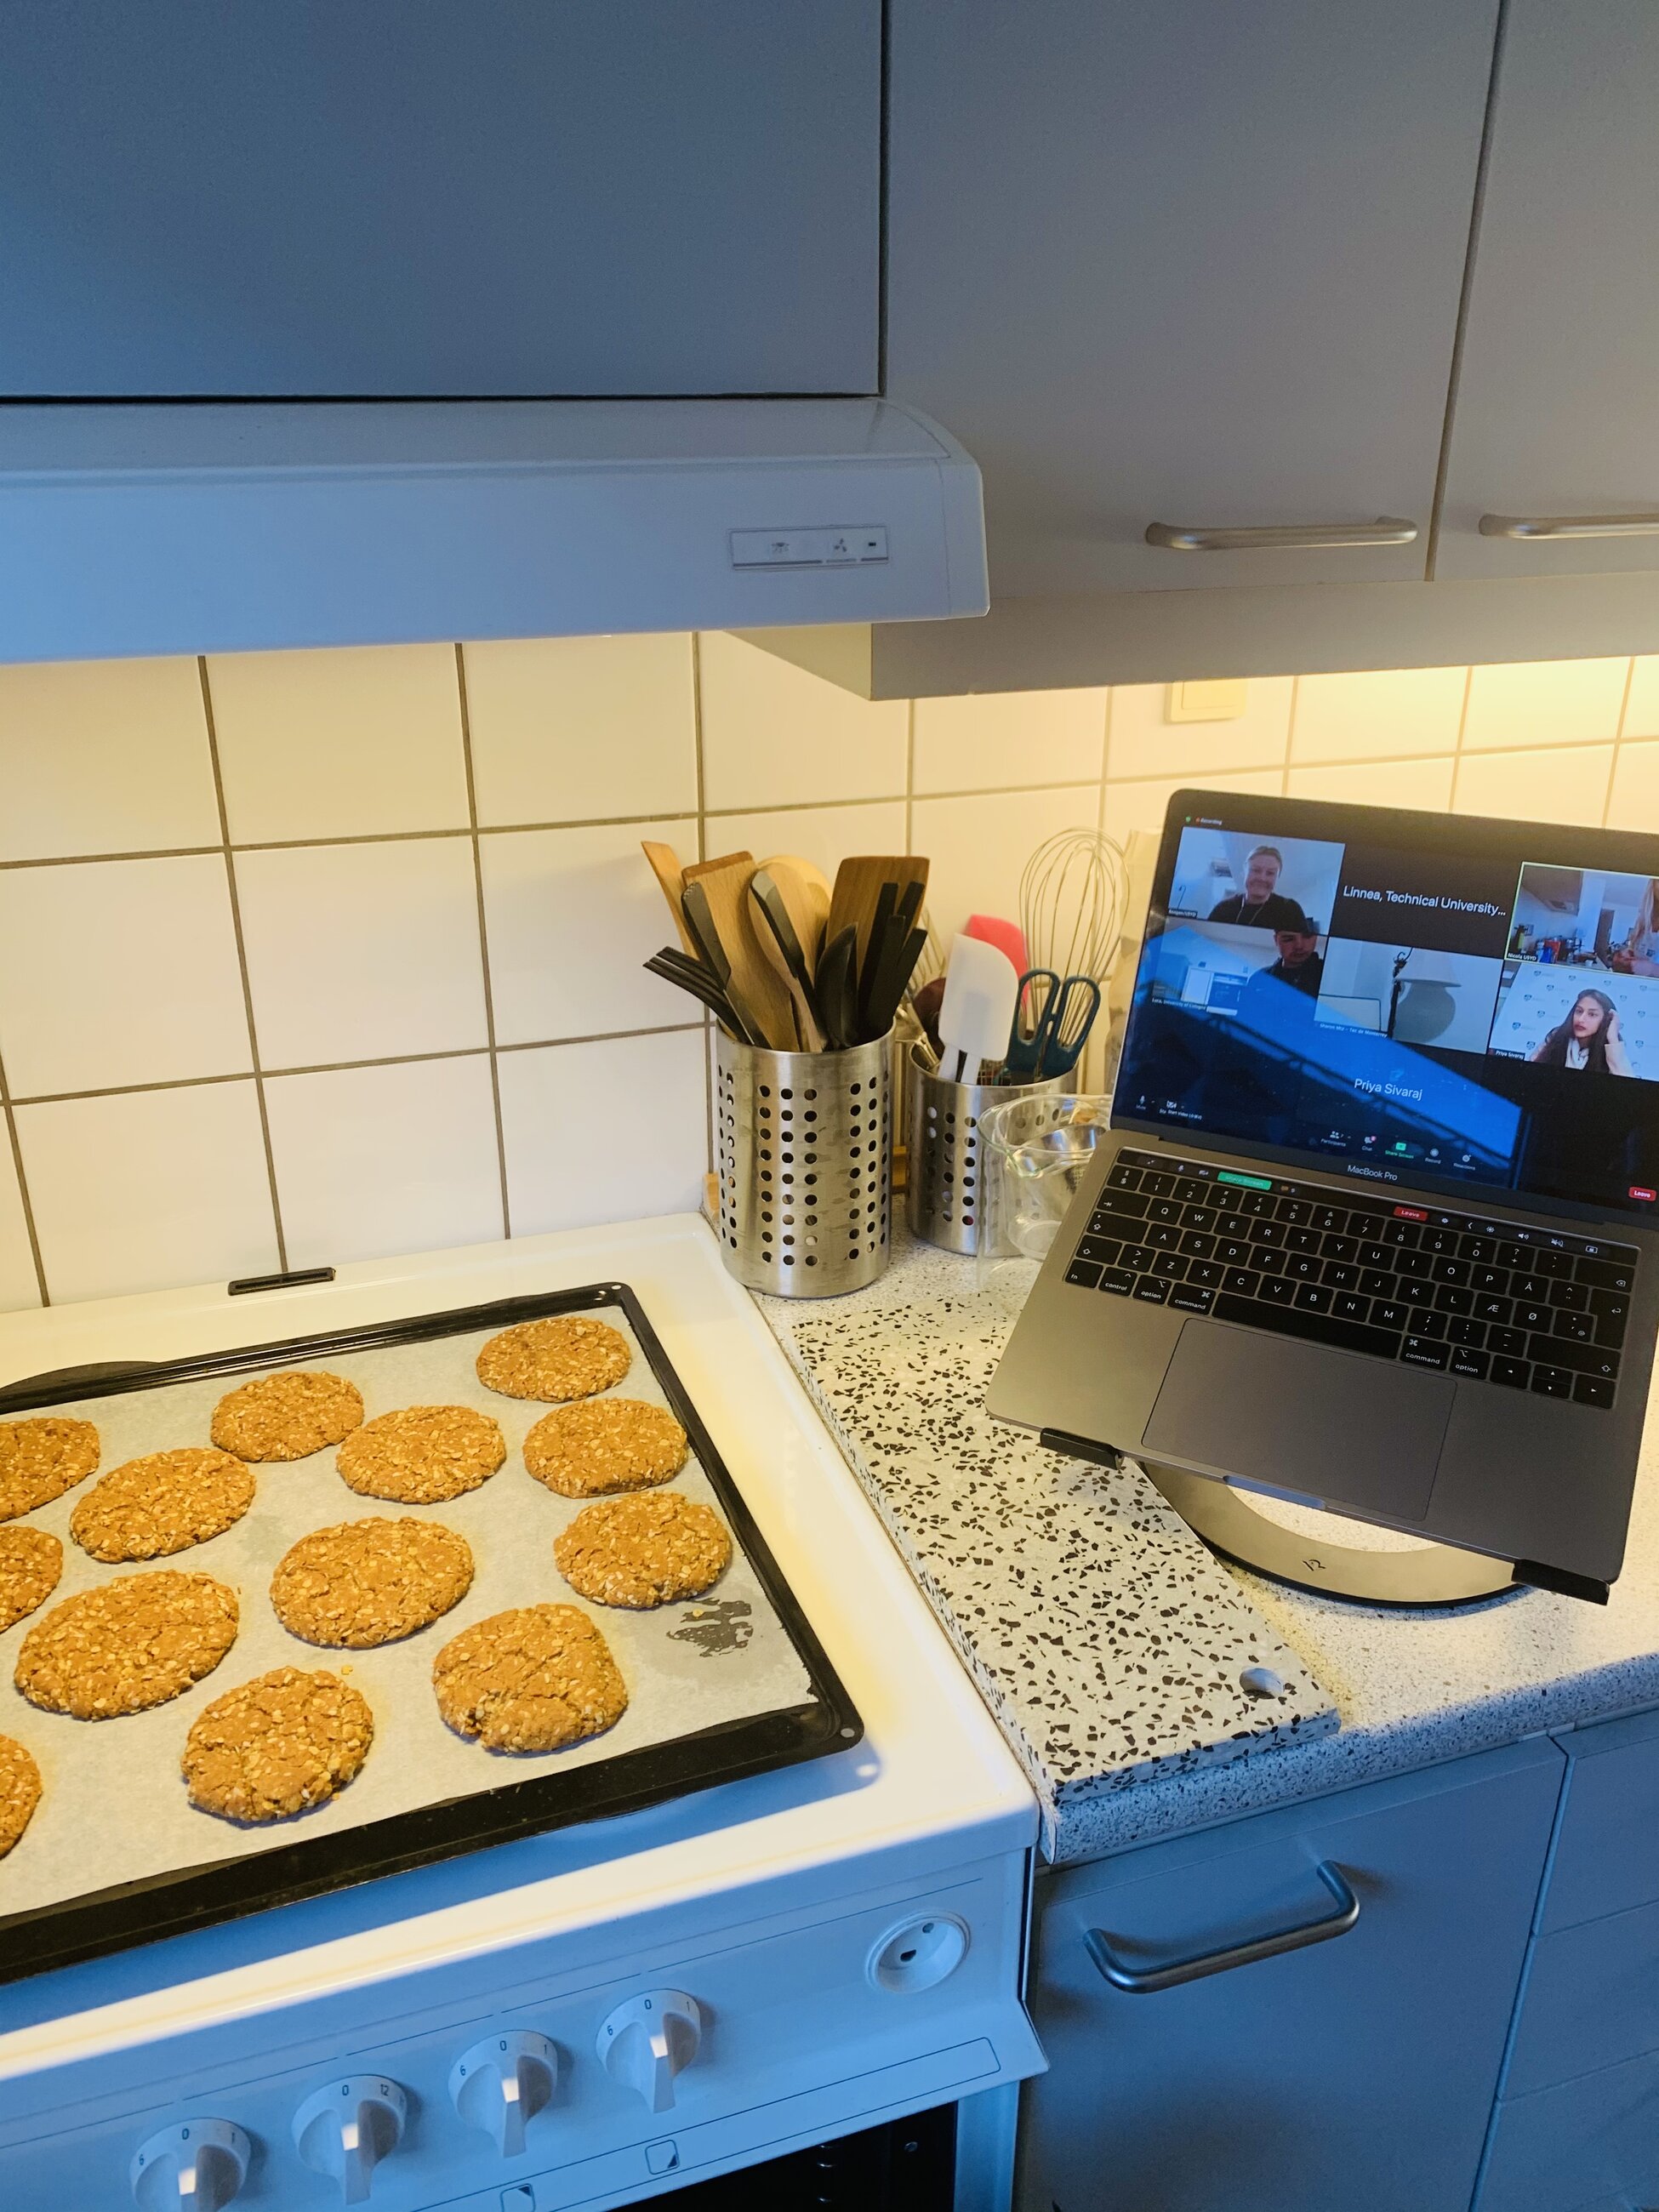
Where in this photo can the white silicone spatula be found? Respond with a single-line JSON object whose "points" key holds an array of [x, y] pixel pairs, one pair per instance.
{"points": [[981, 990]]}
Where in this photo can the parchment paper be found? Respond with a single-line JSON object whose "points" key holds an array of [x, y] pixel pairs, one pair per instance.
{"points": [[113, 1807]]}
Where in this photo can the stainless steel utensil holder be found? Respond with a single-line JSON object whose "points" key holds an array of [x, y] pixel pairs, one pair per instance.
{"points": [[945, 1192], [805, 1145]]}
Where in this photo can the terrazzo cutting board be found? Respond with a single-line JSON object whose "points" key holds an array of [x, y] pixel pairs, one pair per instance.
{"points": [[1104, 1637]]}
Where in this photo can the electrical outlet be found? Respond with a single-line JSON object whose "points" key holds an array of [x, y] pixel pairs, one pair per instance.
{"points": [[1221, 700]]}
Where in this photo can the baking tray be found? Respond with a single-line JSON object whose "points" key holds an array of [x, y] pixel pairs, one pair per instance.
{"points": [[721, 1687]]}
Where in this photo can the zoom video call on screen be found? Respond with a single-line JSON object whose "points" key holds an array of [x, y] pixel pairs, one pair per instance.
{"points": [[1421, 998]]}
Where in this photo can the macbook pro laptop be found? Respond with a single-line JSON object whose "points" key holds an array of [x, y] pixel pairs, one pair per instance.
{"points": [[1376, 1223]]}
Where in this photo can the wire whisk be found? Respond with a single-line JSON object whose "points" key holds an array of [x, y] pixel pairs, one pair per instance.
{"points": [[1072, 897]]}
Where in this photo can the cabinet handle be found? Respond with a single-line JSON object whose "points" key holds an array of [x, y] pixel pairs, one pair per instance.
{"points": [[1146, 1981], [1570, 526], [1282, 536]]}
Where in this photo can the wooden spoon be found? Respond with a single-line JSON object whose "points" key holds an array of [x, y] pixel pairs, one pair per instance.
{"points": [[805, 891], [780, 942]]}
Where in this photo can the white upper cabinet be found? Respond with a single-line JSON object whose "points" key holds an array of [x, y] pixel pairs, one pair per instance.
{"points": [[437, 199], [1556, 422], [1186, 263]]}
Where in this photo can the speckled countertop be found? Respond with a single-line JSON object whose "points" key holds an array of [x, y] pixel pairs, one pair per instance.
{"points": [[1110, 1643]]}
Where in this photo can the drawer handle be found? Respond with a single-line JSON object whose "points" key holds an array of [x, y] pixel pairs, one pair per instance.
{"points": [[1282, 536], [1570, 526], [1146, 1981]]}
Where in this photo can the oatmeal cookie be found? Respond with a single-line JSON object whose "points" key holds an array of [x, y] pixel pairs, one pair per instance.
{"points": [[286, 1415], [618, 1443], [31, 1562], [651, 1549], [370, 1582], [276, 1745], [41, 1458], [126, 1645], [20, 1792], [164, 1503], [422, 1456], [535, 1679], [565, 1356]]}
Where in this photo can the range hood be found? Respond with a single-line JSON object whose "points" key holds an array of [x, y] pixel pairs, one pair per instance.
{"points": [[192, 527]]}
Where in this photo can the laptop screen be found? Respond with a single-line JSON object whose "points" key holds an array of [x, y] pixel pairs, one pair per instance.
{"points": [[1402, 997]]}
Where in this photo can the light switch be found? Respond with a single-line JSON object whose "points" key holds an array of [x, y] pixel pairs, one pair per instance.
{"points": [[1220, 700]]}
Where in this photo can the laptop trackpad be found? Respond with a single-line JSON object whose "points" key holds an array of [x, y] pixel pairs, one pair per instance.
{"points": [[1350, 1431]]}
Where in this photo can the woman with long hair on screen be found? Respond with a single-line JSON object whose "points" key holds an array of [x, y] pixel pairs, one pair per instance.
{"points": [[1588, 1038]]}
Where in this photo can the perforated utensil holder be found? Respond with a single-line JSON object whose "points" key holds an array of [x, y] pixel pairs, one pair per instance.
{"points": [[945, 1190], [805, 1141]]}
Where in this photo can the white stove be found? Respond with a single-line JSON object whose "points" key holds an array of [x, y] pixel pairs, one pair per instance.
{"points": [[603, 2014]]}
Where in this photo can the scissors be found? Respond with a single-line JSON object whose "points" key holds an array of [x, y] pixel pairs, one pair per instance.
{"points": [[1060, 1015]]}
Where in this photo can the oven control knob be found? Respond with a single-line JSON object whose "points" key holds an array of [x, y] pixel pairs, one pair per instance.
{"points": [[502, 2082], [348, 2127], [644, 2044], [198, 2167]]}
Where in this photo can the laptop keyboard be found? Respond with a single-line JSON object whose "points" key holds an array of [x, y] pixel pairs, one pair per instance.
{"points": [[1525, 1307]]}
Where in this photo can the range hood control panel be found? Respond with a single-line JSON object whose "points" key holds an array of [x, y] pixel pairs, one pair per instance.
{"points": [[808, 549]]}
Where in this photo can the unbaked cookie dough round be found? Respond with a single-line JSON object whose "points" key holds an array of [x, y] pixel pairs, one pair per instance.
{"points": [[276, 1745], [651, 1549], [566, 1356], [31, 1563], [286, 1415], [535, 1679], [41, 1458], [126, 1645], [615, 1444], [370, 1582], [422, 1456], [20, 1792], [150, 1508]]}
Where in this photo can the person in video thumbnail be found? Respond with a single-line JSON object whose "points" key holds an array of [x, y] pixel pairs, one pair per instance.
{"points": [[1259, 904], [1588, 1038], [1640, 953], [1299, 964]]}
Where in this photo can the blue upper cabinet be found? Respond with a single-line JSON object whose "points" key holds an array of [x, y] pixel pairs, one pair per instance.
{"points": [[430, 198], [1189, 264]]}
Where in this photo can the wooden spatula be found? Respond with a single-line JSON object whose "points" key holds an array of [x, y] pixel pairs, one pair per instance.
{"points": [[858, 887], [754, 987], [707, 868], [666, 868]]}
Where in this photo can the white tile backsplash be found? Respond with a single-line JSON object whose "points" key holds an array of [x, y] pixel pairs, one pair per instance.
{"points": [[603, 1132], [1545, 702], [1552, 784], [979, 846], [353, 742], [376, 1160], [989, 742], [825, 836], [362, 951], [572, 915], [353, 850], [774, 736], [1425, 783], [149, 1189], [125, 973], [1143, 743], [104, 756], [1384, 716], [545, 715]]}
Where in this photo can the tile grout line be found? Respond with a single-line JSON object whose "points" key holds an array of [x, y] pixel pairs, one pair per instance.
{"points": [[483, 937], [910, 777], [1105, 761], [241, 962], [349, 1066], [24, 1199], [1618, 740], [702, 854], [1457, 748]]}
